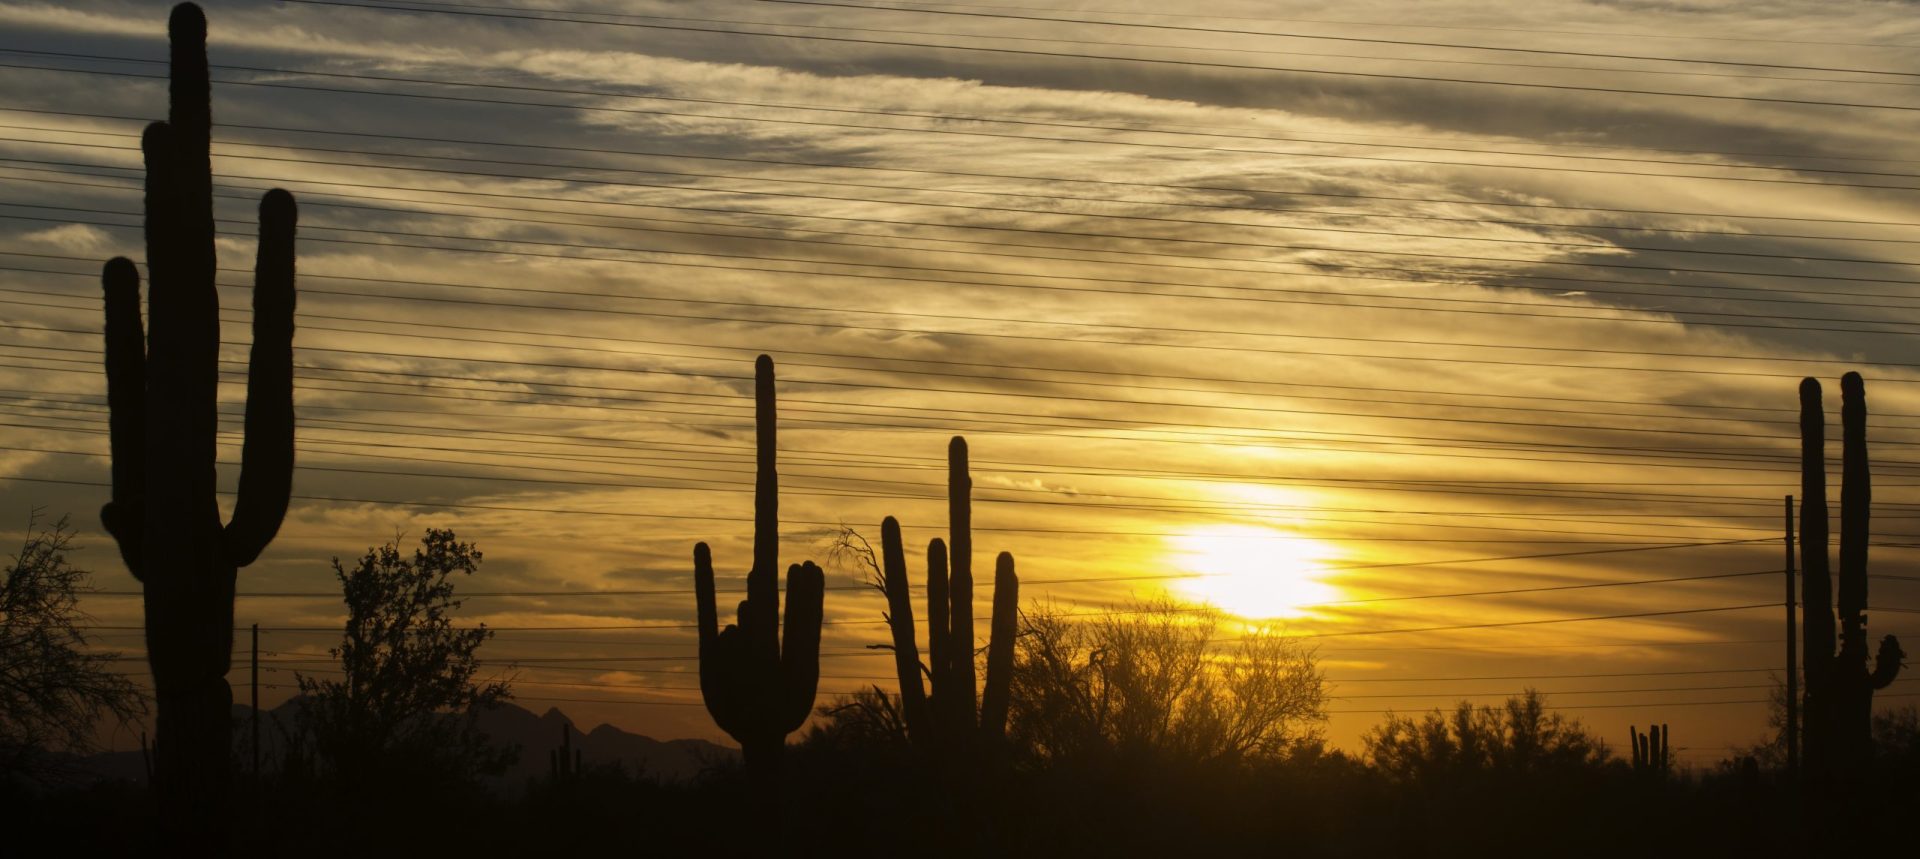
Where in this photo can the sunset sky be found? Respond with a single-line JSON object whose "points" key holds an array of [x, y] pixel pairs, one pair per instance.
{"points": [[1337, 316]]}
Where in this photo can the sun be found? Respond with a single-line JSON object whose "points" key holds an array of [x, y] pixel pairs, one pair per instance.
{"points": [[1251, 572]]}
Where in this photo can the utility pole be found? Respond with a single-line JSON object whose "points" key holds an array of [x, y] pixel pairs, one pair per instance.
{"points": [[1793, 673], [254, 740]]}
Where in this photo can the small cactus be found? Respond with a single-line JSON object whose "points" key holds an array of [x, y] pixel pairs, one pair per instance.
{"points": [[161, 392], [1650, 752], [757, 687], [947, 720], [563, 764]]}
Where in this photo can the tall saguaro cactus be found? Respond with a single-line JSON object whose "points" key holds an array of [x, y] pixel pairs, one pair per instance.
{"points": [[947, 721], [757, 687], [161, 388], [1840, 686]]}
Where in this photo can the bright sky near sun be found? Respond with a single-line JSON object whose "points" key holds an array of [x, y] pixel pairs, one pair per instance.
{"points": [[1368, 320]]}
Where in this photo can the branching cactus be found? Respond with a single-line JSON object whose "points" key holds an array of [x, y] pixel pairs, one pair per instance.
{"points": [[947, 721], [1650, 753], [757, 687], [1840, 686], [161, 389]]}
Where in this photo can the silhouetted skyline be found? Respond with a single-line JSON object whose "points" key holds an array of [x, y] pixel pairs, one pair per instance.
{"points": [[1459, 339]]}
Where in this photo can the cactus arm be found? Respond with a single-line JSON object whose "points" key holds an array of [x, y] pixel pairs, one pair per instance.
{"points": [[960, 583], [1886, 663], [939, 634], [266, 475], [1006, 607], [1856, 501], [906, 654], [126, 353], [800, 645], [717, 648]]}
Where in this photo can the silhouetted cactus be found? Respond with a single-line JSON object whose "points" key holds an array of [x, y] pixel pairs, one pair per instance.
{"points": [[161, 389], [1650, 753], [563, 764], [947, 720], [758, 688], [1839, 687]]}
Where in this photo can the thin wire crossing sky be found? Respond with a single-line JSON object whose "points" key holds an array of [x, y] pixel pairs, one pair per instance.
{"points": [[1462, 338]]}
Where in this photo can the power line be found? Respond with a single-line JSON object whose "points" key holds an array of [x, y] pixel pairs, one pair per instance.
{"points": [[1106, 613], [1232, 407], [1289, 192], [1398, 25], [1242, 32], [1195, 63], [973, 207], [1645, 455], [1264, 294], [1210, 48], [1057, 323], [1015, 466], [820, 123], [1024, 581], [1826, 295]]}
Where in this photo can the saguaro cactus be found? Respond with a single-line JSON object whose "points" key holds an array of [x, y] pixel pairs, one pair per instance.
{"points": [[947, 721], [1839, 687], [161, 389], [563, 763], [1650, 753], [757, 687]]}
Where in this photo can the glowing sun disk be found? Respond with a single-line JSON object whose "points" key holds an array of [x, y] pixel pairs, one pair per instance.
{"points": [[1253, 572]]}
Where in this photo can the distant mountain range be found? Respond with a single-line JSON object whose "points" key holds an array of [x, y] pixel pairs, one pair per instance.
{"points": [[507, 725], [536, 736]]}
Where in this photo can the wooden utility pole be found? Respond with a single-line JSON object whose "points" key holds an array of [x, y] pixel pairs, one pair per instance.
{"points": [[255, 717], [1793, 672]]}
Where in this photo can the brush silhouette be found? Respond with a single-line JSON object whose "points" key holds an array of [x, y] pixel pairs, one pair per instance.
{"points": [[1838, 720], [947, 722], [757, 687], [161, 390]]}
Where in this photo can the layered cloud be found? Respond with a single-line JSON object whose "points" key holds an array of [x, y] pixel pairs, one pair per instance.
{"points": [[1324, 289]]}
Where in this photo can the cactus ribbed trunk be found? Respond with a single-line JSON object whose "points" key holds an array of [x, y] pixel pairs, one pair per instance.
{"points": [[1840, 686], [906, 662], [952, 720], [161, 390], [958, 696], [1816, 579], [758, 685], [1006, 616]]}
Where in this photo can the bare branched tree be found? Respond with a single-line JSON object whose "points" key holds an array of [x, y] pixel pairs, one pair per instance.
{"points": [[54, 687], [863, 719], [1150, 681], [847, 549]]}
